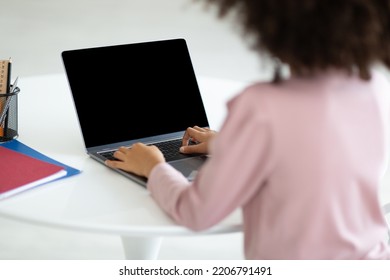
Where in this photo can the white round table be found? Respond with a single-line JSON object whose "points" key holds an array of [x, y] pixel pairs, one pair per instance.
{"points": [[98, 199]]}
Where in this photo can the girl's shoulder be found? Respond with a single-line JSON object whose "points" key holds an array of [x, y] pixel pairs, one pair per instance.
{"points": [[257, 93]]}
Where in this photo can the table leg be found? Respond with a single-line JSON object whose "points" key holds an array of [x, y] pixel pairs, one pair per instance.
{"points": [[141, 248]]}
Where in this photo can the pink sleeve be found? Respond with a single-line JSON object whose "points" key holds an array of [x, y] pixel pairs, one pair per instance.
{"points": [[238, 166]]}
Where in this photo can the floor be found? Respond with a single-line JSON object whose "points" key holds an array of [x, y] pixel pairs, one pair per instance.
{"points": [[35, 33]]}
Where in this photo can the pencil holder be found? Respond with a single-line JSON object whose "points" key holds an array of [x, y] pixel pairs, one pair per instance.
{"points": [[9, 115]]}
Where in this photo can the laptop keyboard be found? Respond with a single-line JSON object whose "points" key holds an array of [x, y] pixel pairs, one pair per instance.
{"points": [[170, 150]]}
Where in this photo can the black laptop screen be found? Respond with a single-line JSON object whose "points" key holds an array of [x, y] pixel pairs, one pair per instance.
{"points": [[133, 91]]}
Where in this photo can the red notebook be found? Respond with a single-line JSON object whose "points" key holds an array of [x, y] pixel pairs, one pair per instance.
{"points": [[19, 172]]}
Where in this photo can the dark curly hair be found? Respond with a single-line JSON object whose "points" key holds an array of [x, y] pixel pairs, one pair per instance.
{"points": [[315, 35]]}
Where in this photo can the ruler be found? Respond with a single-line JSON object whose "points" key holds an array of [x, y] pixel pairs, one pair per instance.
{"points": [[4, 75], [4, 88]]}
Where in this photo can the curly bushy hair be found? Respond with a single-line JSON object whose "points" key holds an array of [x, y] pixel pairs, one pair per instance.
{"points": [[315, 35]]}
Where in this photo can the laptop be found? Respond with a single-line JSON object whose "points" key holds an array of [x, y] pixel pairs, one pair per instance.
{"points": [[140, 92]]}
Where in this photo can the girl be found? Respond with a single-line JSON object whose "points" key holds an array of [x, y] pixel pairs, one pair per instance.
{"points": [[302, 156]]}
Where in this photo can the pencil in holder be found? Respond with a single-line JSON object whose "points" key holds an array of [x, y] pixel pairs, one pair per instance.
{"points": [[9, 115]]}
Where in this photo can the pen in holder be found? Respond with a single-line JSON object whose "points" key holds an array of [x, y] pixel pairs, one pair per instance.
{"points": [[9, 115]]}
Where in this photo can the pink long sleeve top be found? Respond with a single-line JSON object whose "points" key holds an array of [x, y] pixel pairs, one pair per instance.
{"points": [[304, 160]]}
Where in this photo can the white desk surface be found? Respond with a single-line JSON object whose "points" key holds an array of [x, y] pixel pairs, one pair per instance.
{"points": [[98, 199]]}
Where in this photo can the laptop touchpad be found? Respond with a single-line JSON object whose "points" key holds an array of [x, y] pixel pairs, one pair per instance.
{"points": [[189, 166]]}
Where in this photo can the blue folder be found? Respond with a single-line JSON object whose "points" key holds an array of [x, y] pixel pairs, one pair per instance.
{"points": [[22, 148]]}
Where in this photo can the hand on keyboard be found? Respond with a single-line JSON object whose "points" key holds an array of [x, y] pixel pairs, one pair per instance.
{"points": [[140, 159], [196, 140]]}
